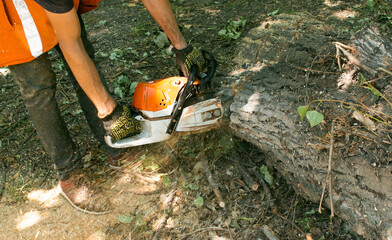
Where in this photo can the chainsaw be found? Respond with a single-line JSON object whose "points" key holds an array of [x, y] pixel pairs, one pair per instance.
{"points": [[174, 105]]}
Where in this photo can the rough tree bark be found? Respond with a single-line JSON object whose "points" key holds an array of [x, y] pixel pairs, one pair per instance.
{"points": [[289, 61]]}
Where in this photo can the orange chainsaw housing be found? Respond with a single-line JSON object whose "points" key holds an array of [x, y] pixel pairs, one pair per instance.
{"points": [[157, 95]]}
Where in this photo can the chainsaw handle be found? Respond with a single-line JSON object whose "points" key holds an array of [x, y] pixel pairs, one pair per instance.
{"points": [[212, 65], [181, 100]]}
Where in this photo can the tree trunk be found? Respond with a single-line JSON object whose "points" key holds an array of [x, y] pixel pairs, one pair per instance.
{"points": [[291, 61]]}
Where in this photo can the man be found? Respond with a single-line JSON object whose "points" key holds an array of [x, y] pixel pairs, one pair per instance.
{"points": [[38, 93], [25, 37]]}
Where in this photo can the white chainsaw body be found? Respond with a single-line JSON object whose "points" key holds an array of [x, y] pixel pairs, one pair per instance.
{"points": [[194, 118], [173, 105]]}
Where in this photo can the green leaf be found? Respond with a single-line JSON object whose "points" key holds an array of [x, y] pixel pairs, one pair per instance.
{"points": [[191, 186], [222, 32], [302, 110], [276, 12], [233, 29], [311, 212], [153, 167], [139, 221], [166, 181], [363, 79], [119, 92], [314, 118], [161, 40], [133, 87], [370, 4], [267, 176], [125, 219], [116, 53], [198, 202], [103, 54], [374, 91], [248, 219], [123, 79]]}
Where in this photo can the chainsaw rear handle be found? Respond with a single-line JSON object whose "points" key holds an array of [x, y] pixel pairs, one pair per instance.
{"points": [[205, 81], [212, 64]]}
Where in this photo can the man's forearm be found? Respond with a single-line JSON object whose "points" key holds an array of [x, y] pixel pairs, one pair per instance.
{"points": [[88, 78], [67, 29], [161, 11]]}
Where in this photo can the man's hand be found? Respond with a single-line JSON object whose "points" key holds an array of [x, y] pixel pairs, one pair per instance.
{"points": [[120, 124], [188, 57]]}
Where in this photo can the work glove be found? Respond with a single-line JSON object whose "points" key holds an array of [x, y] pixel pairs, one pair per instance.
{"points": [[120, 124], [189, 56]]}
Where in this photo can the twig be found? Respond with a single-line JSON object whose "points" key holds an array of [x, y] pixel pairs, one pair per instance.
{"points": [[322, 195], [210, 180], [384, 70], [165, 207], [228, 229], [215, 189], [269, 233], [330, 168], [338, 58], [3, 176], [248, 179], [329, 174], [28, 137], [202, 230], [148, 179], [265, 188], [342, 47], [292, 223]]}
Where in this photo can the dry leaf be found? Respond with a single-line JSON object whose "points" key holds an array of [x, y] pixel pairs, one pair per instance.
{"points": [[364, 120]]}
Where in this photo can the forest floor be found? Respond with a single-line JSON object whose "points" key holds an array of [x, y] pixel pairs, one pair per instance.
{"points": [[164, 190]]}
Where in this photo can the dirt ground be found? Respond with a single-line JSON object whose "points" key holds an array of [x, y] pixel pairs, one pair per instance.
{"points": [[164, 191]]}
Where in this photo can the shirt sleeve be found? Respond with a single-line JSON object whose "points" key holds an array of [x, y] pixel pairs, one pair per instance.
{"points": [[56, 6]]}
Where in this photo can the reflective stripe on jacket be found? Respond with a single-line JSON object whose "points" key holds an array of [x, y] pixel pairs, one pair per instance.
{"points": [[25, 31]]}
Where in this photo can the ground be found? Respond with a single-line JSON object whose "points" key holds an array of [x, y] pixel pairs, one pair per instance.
{"points": [[164, 191]]}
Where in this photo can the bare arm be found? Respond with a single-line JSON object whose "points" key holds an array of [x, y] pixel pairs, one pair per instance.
{"points": [[67, 29], [161, 11]]}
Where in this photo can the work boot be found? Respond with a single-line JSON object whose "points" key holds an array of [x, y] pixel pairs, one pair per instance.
{"points": [[78, 191]]}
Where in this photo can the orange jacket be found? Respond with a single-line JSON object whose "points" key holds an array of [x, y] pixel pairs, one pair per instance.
{"points": [[25, 31]]}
